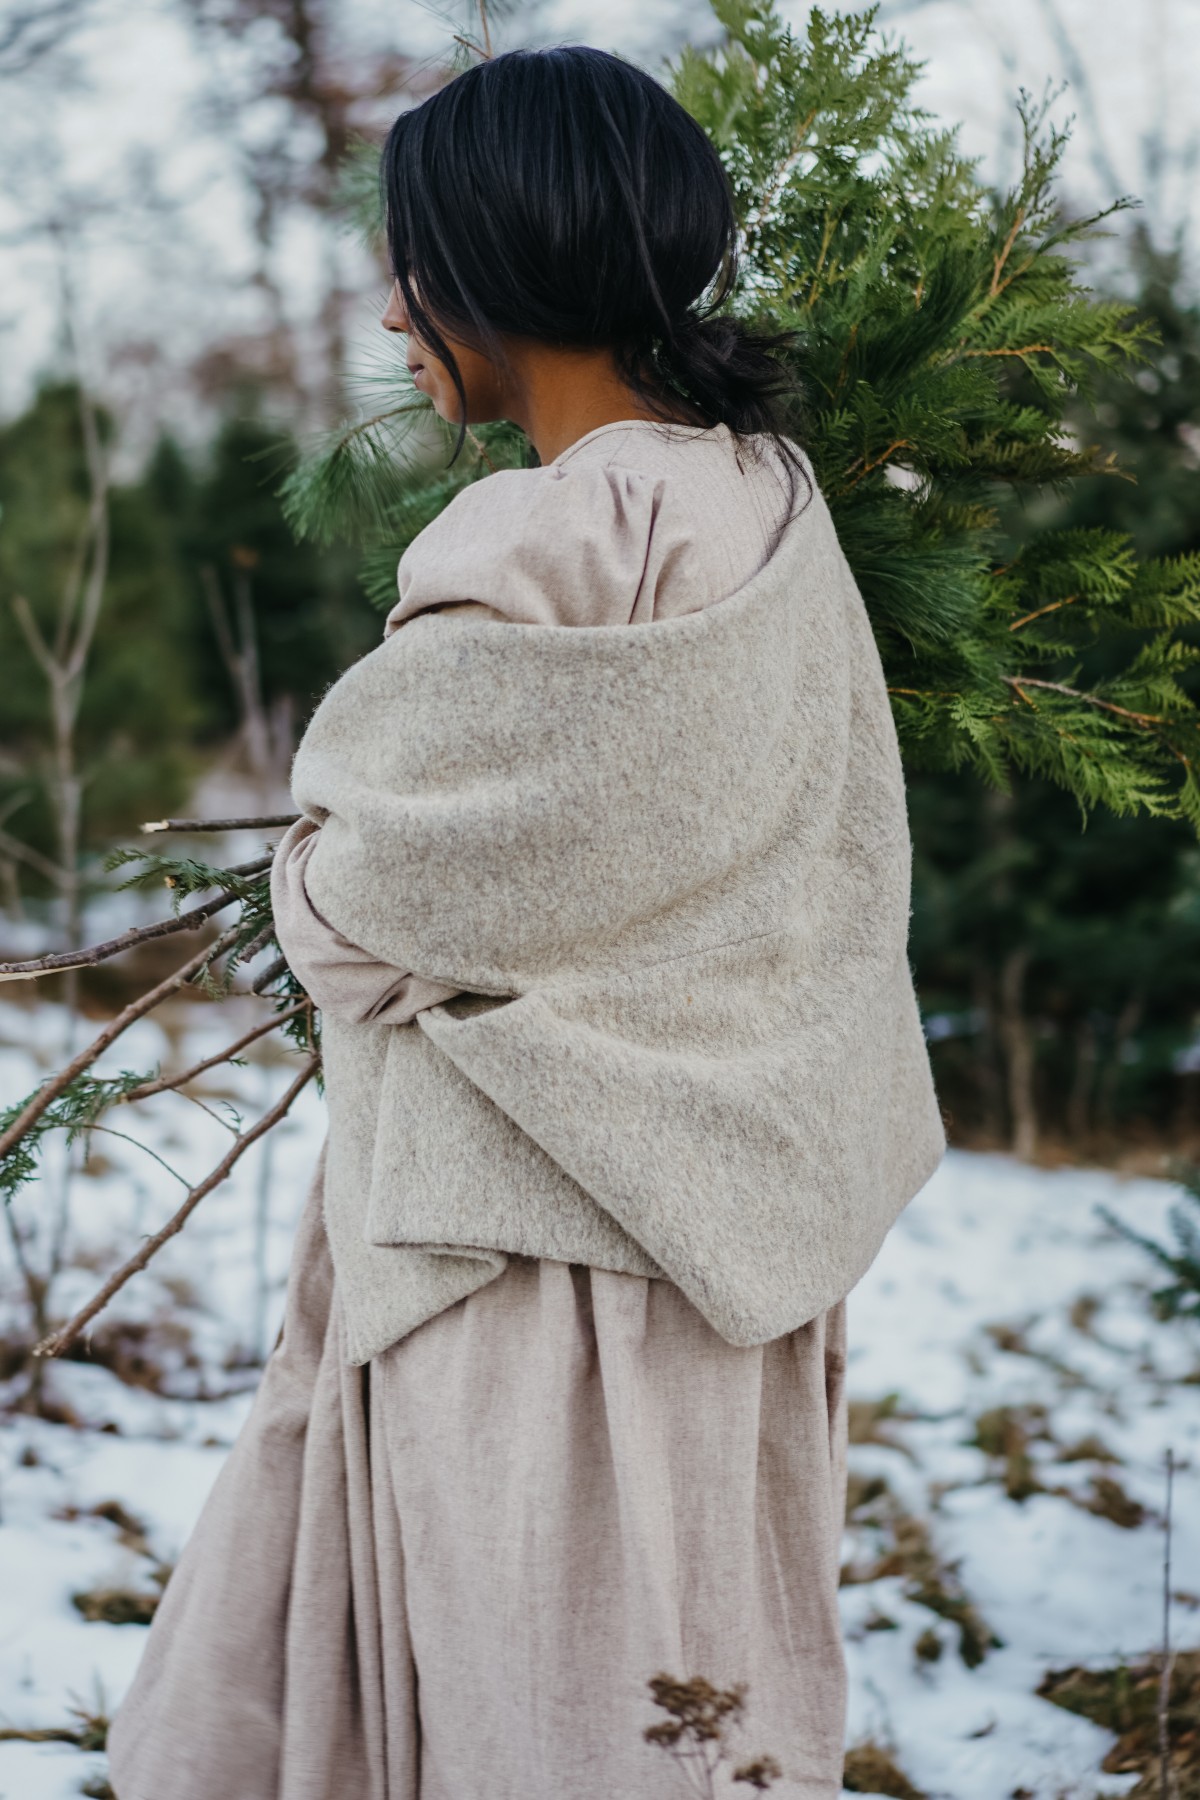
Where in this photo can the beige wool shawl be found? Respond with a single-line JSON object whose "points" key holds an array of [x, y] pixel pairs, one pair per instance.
{"points": [[668, 863]]}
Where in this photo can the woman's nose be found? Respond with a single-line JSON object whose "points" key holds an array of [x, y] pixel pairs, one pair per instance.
{"points": [[395, 317]]}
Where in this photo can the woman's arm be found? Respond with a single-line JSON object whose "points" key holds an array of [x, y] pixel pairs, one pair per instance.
{"points": [[347, 983]]}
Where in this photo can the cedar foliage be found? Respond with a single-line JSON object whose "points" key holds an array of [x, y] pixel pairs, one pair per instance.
{"points": [[942, 334]]}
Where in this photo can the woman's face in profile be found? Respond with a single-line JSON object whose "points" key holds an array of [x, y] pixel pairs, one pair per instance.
{"points": [[480, 378]]}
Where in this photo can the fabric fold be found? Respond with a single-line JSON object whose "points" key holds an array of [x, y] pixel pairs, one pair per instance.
{"points": [[669, 865]]}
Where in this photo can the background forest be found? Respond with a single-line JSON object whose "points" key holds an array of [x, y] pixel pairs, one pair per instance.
{"points": [[203, 491], [1059, 967]]}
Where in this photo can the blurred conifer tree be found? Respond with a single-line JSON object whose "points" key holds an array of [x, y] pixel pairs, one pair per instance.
{"points": [[139, 713], [943, 333]]}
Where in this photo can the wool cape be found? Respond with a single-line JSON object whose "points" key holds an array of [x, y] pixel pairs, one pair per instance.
{"points": [[669, 865]]}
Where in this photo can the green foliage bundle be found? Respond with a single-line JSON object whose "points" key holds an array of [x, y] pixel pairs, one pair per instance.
{"points": [[78, 1109], [942, 335], [1106, 922]]}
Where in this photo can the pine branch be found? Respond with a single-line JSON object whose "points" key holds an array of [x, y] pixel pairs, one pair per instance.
{"points": [[61, 1340], [168, 1083], [26, 1116]]}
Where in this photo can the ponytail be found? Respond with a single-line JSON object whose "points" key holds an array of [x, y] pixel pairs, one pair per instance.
{"points": [[721, 368]]}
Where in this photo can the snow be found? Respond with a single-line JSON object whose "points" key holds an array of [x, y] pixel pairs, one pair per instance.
{"points": [[1001, 1286]]}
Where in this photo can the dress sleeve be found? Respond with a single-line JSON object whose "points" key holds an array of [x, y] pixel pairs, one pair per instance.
{"points": [[578, 544], [346, 982]]}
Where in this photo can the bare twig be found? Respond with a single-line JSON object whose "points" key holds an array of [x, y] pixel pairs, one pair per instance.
{"points": [[167, 1083], [271, 973], [137, 1009], [261, 824], [190, 920], [1164, 1684], [63, 1339], [257, 944], [1059, 687]]}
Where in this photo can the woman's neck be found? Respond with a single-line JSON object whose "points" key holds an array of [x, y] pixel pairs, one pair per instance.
{"points": [[558, 395]]}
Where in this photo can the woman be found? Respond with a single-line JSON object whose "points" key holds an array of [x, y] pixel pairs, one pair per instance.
{"points": [[607, 920]]}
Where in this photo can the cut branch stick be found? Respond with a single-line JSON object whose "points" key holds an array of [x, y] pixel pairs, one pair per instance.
{"points": [[87, 958], [167, 1083], [61, 1340], [137, 1009], [267, 822]]}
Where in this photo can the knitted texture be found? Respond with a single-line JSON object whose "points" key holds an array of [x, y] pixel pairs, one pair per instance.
{"points": [[670, 863]]}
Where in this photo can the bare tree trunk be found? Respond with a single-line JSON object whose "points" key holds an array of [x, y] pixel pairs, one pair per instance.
{"points": [[1079, 1111], [237, 640], [1128, 1020], [1016, 1035], [989, 1075]]}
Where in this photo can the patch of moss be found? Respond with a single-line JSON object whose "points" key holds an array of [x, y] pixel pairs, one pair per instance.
{"points": [[863, 1491], [1005, 1434], [1088, 1449], [929, 1581], [116, 1606], [869, 1422], [1124, 1700], [869, 1769], [1108, 1500]]}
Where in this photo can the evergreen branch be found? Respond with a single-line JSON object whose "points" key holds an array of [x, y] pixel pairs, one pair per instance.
{"points": [[1005, 252], [98, 953], [166, 1084], [55, 961], [61, 1340], [25, 1118], [1019, 682], [184, 874]]}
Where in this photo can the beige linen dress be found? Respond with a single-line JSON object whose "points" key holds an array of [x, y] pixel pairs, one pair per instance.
{"points": [[450, 1574]]}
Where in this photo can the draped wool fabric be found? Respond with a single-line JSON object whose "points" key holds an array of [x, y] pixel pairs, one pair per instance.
{"points": [[451, 1572], [664, 867]]}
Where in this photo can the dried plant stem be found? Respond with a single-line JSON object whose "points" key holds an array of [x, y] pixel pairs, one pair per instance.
{"points": [[45, 1734], [266, 823], [61, 1340], [1164, 1684], [167, 1083], [137, 1009], [138, 934]]}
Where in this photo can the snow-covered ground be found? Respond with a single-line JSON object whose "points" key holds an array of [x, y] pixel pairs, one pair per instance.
{"points": [[1000, 1297]]}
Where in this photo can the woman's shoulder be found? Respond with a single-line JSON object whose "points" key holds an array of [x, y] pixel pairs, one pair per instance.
{"points": [[560, 545]]}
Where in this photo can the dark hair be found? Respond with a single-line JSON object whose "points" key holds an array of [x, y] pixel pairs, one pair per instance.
{"points": [[564, 195]]}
